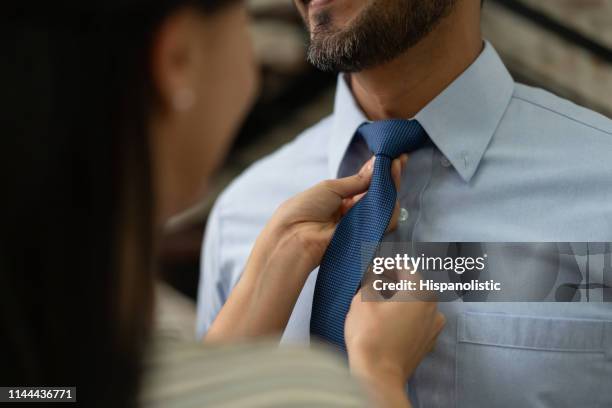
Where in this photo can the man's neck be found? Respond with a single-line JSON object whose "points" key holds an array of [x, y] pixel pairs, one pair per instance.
{"points": [[402, 87]]}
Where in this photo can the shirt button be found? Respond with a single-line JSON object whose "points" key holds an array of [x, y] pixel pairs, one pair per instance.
{"points": [[403, 215], [445, 162]]}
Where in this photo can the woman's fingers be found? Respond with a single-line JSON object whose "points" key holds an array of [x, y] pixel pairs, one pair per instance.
{"points": [[348, 203], [397, 168], [347, 187]]}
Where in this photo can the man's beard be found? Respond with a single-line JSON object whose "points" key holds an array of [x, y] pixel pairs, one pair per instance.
{"points": [[383, 31]]}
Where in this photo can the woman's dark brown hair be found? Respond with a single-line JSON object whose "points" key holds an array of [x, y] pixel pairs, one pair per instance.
{"points": [[76, 242]]}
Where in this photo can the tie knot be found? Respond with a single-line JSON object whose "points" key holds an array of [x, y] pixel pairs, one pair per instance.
{"points": [[393, 137]]}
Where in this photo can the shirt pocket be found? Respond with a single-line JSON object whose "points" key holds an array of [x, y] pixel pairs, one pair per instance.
{"points": [[519, 361]]}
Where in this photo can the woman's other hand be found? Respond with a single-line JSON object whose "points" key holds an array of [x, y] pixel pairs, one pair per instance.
{"points": [[386, 341]]}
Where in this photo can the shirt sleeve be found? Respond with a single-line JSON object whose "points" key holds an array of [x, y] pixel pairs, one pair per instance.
{"points": [[213, 290]]}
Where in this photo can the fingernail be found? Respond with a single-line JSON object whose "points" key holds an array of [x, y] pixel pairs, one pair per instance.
{"points": [[367, 168], [371, 164]]}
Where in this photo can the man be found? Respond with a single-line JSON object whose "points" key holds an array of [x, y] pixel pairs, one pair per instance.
{"points": [[506, 163]]}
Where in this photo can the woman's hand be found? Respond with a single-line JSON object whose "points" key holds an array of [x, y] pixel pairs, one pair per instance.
{"points": [[386, 341], [308, 220], [291, 245]]}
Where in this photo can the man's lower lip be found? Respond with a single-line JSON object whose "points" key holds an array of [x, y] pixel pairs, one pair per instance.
{"points": [[315, 4]]}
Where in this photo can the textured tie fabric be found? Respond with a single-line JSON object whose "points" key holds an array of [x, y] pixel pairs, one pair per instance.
{"points": [[342, 267]]}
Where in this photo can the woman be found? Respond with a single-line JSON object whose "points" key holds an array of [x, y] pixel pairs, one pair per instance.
{"points": [[118, 111]]}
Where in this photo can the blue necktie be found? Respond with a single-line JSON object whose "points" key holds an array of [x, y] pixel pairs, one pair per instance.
{"points": [[342, 267]]}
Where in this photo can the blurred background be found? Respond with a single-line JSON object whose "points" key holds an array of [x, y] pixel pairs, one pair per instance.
{"points": [[564, 46]]}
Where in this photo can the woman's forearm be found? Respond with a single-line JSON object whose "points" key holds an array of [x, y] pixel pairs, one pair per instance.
{"points": [[228, 325]]}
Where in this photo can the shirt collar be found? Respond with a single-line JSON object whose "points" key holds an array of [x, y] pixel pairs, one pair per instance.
{"points": [[460, 121]]}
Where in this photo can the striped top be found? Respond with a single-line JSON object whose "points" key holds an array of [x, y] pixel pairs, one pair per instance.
{"points": [[246, 375]]}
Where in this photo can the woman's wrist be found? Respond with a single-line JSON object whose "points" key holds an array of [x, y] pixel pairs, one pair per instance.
{"points": [[292, 250], [388, 374], [385, 381], [385, 389]]}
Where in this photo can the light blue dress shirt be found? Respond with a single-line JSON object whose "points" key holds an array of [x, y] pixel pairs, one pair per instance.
{"points": [[508, 163]]}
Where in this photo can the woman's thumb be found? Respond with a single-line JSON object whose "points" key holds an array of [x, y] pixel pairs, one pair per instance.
{"points": [[347, 187]]}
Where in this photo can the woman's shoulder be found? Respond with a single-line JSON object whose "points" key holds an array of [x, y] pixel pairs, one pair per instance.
{"points": [[247, 375]]}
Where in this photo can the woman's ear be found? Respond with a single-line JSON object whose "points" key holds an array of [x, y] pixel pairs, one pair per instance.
{"points": [[175, 60]]}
